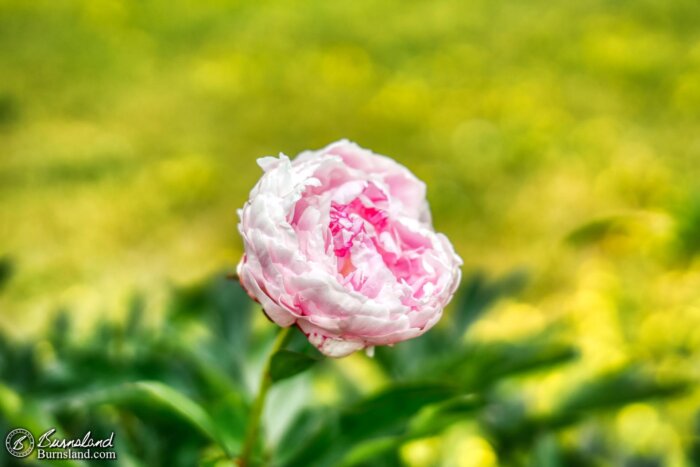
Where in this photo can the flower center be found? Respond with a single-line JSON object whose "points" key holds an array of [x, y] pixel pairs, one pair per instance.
{"points": [[373, 251], [362, 218]]}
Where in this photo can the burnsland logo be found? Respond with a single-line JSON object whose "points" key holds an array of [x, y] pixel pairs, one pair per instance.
{"points": [[20, 443]]}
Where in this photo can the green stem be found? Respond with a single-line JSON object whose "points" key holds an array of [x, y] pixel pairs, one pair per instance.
{"points": [[256, 410]]}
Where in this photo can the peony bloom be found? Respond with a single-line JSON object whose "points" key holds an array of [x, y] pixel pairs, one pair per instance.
{"points": [[339, 242]]}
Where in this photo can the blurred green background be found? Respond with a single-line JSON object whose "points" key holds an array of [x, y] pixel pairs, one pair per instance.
{"points": [[560, 141]]}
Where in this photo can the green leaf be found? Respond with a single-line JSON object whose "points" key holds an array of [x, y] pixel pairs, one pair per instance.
{"points": [[303, 426], [178, 403], [391, 408], [597, 230], [230, 414], [430, 420], [385, 413], [547, 452], [320, 446], [481, 365], [435, 418], [151, 393], [286, 363], [619, 388], [511, 426]]}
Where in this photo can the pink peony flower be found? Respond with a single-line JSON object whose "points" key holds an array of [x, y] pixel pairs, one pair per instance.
{"points": [[340, 242]]}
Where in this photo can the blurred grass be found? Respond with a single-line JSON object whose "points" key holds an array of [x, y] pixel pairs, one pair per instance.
{"points": [[558, 137]]}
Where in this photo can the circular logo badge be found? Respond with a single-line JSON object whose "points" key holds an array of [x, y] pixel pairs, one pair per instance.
{"points": [[19, 442]]}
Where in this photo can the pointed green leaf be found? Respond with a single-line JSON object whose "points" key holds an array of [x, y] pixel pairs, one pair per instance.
{"points": [[287, 363], [618, 388], [481, 365], [180, 404], [153, 393]]}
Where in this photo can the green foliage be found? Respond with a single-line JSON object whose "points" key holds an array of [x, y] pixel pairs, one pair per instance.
{"points": [[595, 231], [618, 388], [166, 394], [479, 366], [382, 414], [514, 430], [286, 364], [175, 393]]}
